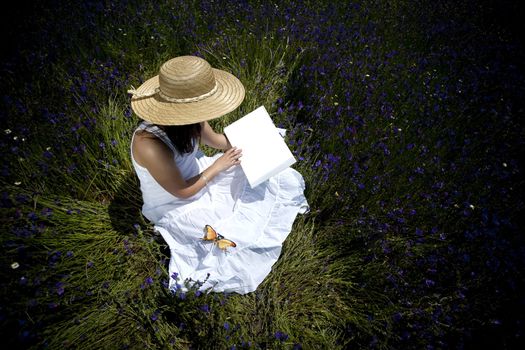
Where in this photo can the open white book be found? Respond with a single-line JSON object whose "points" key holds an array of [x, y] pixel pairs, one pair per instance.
{"points": [[264, 152]]}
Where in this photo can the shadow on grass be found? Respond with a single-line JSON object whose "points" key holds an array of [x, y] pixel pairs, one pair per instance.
{"points": [[125, 211], [125, 207]]}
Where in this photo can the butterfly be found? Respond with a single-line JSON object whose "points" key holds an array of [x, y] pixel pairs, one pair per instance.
{"points": [[211, 235]]}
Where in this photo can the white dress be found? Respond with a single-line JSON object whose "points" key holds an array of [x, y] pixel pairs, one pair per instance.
{"points": [[258, 220]]}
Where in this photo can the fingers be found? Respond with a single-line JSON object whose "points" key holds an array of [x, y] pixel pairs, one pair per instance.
{"points": [[233, 150], [231, 157], [235, 153]]}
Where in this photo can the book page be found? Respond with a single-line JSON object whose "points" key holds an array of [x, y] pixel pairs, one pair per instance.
{"points": [[264, 152]]}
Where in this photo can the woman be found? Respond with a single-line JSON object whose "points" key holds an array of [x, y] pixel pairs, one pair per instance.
{"points": [[189, 196]]}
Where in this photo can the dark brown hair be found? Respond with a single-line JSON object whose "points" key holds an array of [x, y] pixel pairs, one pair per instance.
{"points": [[181, 136]]}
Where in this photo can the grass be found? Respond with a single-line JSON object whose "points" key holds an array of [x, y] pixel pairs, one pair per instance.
{"points": [[404, 121]]}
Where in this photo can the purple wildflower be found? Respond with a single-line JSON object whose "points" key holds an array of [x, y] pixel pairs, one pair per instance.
{"points": [[47, 212], [281, 336], [59, 288], [397, 317], [48, 154]]}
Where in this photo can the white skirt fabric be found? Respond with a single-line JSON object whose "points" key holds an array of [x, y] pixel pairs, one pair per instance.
{"points": [[257, 219]]}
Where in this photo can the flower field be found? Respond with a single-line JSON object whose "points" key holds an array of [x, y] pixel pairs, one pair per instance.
{"points": [[406, 121]]}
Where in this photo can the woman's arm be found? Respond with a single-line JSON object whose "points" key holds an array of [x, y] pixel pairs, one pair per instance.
{"points": [[211, 138], [158, 159]]}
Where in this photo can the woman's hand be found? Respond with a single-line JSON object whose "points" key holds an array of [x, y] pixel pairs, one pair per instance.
{"points": [[228, 159]]}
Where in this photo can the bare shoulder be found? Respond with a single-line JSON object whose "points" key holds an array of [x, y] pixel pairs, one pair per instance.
{"points": [[147, 148]]}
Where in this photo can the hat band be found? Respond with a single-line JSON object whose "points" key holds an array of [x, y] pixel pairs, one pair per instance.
{"points": [[157, 90]]}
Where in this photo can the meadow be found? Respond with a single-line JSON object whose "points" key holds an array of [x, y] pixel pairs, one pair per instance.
{"points": [[406, 121]]}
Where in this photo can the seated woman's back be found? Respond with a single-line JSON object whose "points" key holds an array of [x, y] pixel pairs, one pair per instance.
{"points": [[142, 140], [153, 154]]}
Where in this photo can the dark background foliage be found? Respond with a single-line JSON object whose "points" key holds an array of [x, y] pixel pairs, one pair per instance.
{"points": [[414, 110]]}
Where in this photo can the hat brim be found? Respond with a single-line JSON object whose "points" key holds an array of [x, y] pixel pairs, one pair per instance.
{"points": [[229, 95]]}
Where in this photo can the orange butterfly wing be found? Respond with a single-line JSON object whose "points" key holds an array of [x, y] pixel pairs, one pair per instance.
{"points": [[209, 233], [225, 243]]}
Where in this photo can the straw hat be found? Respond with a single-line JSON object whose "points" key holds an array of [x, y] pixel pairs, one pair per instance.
{"points": [[187, 90]]}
